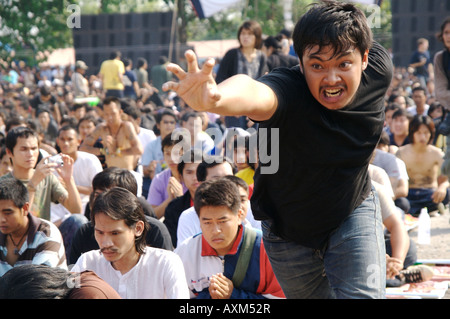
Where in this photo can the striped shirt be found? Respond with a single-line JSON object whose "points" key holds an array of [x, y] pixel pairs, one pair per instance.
{"points": [[44, 246]]}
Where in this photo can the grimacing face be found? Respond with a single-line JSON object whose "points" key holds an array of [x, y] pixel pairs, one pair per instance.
{"points": [[333, 80]]}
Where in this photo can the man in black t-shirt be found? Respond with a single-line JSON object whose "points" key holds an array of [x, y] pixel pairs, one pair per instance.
{"points": [[320, 214]]}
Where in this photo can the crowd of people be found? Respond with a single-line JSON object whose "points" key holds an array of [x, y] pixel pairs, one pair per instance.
{"points": [[94, 164]]}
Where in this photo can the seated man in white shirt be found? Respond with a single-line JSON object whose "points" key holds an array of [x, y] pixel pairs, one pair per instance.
{"points": [[212, 167], [124, 261]]}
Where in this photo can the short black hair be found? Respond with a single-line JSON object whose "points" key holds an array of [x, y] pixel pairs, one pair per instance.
{"points": [[332, 23], [217, 193], [210, 161], [16, 133], [14, 190]]}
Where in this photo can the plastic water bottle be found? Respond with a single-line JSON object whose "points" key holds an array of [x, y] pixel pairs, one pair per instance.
{"points": [[424, 229]]}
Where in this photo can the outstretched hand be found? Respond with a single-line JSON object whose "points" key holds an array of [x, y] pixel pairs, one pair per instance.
{"points": [[196, 87]]}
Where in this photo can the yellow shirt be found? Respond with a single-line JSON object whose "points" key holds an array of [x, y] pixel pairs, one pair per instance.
{"points": [[110, 69], [247, 175]]}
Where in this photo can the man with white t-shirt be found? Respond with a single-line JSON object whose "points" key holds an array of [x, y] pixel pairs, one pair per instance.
{"points": [[212, 167], [85, 167], [124, 261]]}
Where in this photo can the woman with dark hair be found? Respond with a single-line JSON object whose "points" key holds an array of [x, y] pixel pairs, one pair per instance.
{"points": [[247, 59]]}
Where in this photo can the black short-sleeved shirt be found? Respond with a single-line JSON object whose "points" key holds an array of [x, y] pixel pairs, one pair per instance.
{"points": [[323, 154]]}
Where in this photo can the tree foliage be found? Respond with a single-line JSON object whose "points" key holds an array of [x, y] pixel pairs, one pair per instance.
{"points": [[33, 26]]}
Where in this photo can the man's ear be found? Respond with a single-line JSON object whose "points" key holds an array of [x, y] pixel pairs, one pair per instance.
{"points": [[365, 61], [241, 215], [25, 208], [139, 228]]}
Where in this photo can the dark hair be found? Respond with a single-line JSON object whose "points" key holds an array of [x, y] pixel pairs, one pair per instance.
{"points": [[35, 281], [384, 139], [418, 121], [14, 121], [168, 141], [210, 161], [141, 62], [79, 106], [165, 112], [132, 111], [2, 151], [115, 54], [402, 112], [120, 204], [14, 190], [238, 181], [218, 192], [247, 149], [115, 177], [126, 62], [190, 157], [69, 120], [273, 42], [255, 28], [112, 99], [332, 23], [163, 59], [18, 132], [186, 116], [419, 88], [440, 35], [89, 118], [433, 106], [66, 128], [392, 107]]}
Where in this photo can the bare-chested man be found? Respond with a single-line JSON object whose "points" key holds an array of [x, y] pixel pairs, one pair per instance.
{"points": [[120, 141], [427, 186]]}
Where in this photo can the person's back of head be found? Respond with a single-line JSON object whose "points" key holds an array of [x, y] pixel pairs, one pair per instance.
{"points": [[35, 282], [272, 42], [163, 59], [332, 23], [141, 62], [115, 55], [133, 111]]}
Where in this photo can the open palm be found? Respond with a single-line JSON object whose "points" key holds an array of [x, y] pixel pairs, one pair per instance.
{"points": [[196, 87]]}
